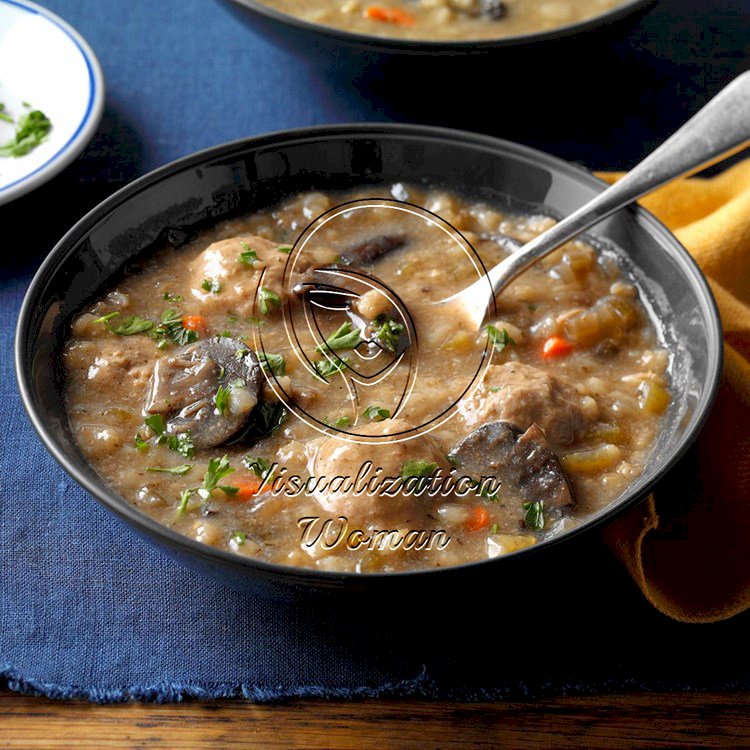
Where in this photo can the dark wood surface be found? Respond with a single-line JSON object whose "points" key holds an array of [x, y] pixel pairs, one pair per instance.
{"points": [[653, 720]]}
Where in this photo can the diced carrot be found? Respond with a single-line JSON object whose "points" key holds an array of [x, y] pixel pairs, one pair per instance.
{"points": [[389, 15], [479, 519], [195, 323], [556, 346], [247, 490]]}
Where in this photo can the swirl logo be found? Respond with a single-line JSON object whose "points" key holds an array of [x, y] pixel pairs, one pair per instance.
{"points": [[362, 281]]}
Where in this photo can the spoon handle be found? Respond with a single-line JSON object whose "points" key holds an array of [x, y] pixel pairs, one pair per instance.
{"points": [[717, 131]]}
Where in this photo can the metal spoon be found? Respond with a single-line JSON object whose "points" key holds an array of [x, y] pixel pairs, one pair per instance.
{"points": [[717, 131]]}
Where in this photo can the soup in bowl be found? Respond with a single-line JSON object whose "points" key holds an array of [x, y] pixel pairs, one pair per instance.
{"points": [[253, 371]]}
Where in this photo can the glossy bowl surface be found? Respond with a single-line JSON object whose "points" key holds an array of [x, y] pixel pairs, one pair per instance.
{"points": [[171, 202]]}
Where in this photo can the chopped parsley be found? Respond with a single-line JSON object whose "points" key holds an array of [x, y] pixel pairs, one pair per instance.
{"points": [[376, 413], [273, 362], [218, 468], [181, 443], [238, 537], [3, 115], [259, 466], [171, 329], [342, 421], [211, 285], [32, 129], [417, 469], [387, 332], [128, 326], [221, 399], [494, 529], [267, 418], [140, 443], [534, 518], [248, 256], [499, 339], [286, 249], [255, 321], [268, 300], [180, 470], [346, 337], [172, 297], [415, 474], [326, 367]]}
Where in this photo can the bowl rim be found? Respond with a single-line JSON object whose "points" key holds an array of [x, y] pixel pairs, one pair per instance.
{"points": [[422, 46], [89, 122], [150, 527]]}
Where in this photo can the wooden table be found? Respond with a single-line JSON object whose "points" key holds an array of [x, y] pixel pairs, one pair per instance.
{"points": [[655, 720]]}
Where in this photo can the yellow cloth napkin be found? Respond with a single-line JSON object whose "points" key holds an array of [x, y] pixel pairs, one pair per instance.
{"points": [[690, 556]]}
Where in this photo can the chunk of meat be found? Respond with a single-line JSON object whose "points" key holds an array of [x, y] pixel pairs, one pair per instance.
{"points": [[339, 458], [221, 281], [184, 386], [522, 462], [523, 395]]}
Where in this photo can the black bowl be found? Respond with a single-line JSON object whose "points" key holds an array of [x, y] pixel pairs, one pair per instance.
{"points": [[297, 34], [247, 175]]}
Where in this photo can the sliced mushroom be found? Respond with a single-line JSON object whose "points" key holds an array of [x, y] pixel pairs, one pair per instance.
{"points": [[493, 9], [372, 249], [521, 462], [185, 385]]}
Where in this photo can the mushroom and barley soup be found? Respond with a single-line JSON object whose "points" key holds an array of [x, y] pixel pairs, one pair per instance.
{"points": [[182, 411], [444, 19]]}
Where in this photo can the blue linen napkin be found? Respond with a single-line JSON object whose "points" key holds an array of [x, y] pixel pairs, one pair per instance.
{"points": [[87, 609]]}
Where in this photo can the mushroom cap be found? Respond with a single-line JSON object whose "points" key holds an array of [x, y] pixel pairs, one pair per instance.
{"points": [[184, 386]]}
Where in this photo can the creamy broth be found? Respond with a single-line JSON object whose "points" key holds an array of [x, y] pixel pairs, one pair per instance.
{"points": [[445, 19], [161, 374]]}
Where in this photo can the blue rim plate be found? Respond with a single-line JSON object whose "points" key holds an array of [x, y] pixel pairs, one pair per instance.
{"points": [[65, 82]]}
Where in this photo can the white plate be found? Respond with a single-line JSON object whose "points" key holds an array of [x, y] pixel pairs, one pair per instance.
{"points": [[45, 62]]}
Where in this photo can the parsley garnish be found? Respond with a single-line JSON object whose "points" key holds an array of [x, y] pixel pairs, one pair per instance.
{"points": [[128, 326], [267, 418], [171, 329], [140, 443], [255, 321], [494, 528], [499, 339], [376, 413], [326, 367], [181, 443], [387, 331], [172, 297], [342, 421], [221, 399], [3, 116], [268, 300], [417, 469], [286, 249], [32, 129], [238, 537], [178, 470], [211, 285], [273, 362], [346, 337], [259, 466], [218, 468], [534, 518], [415, 474], [248, 256]]}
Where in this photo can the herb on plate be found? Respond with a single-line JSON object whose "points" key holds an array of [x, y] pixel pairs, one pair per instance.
{"points": [[32, 129]]}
